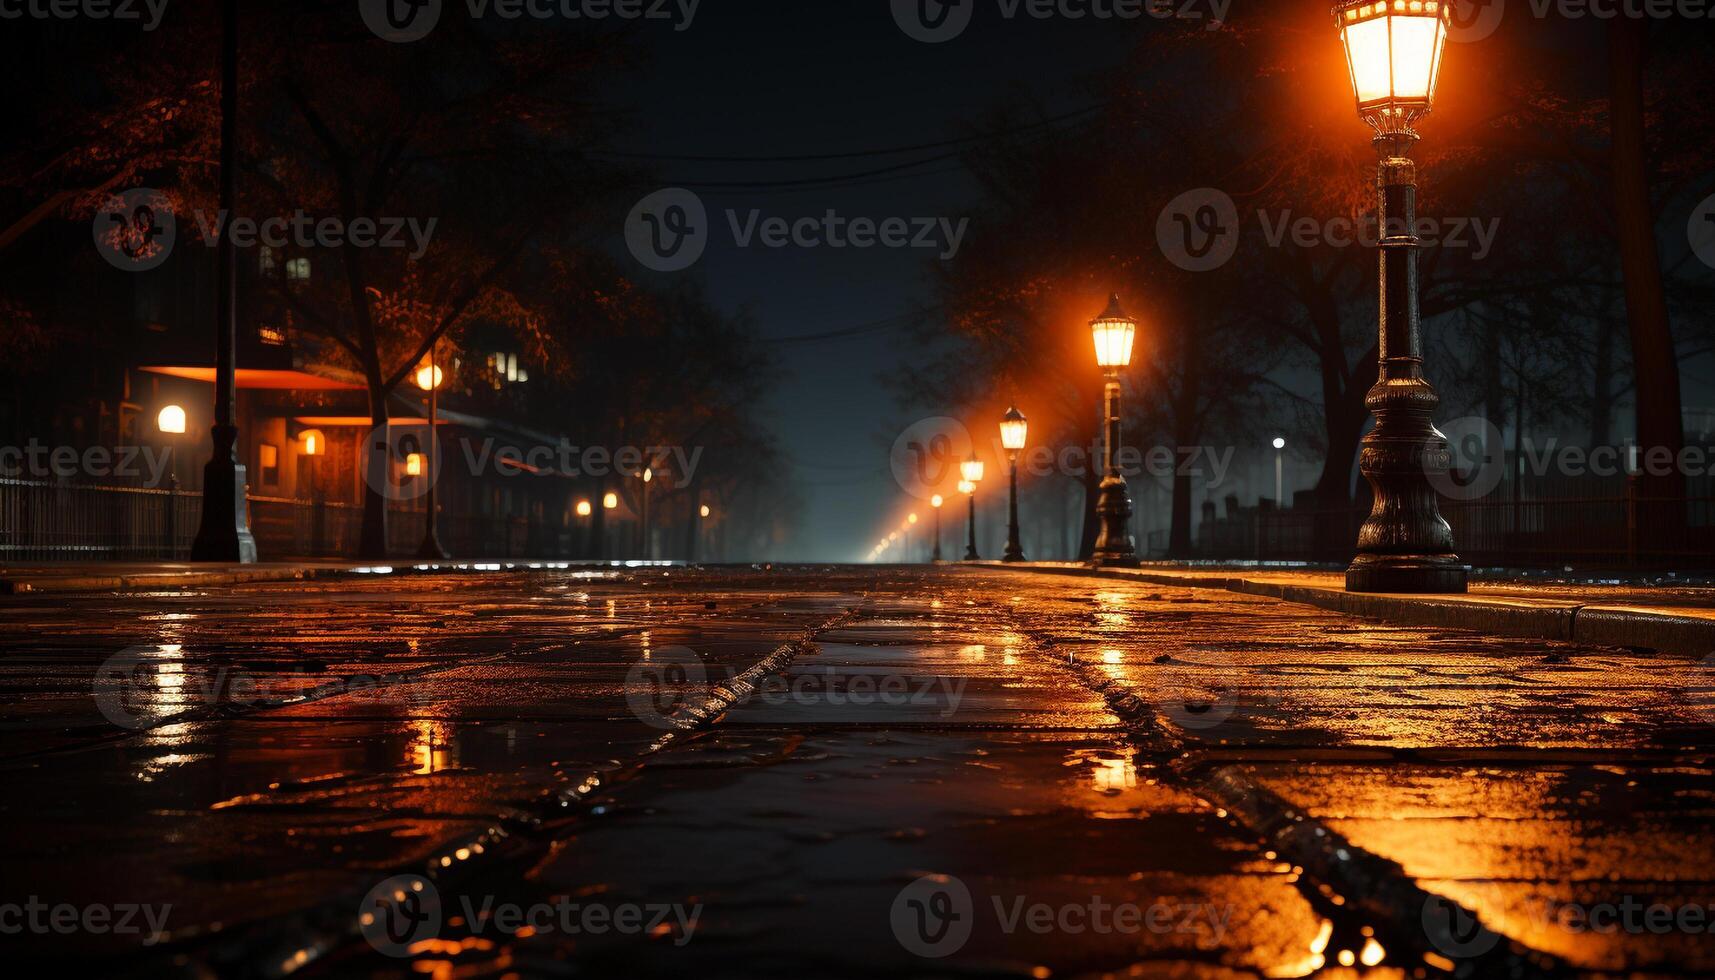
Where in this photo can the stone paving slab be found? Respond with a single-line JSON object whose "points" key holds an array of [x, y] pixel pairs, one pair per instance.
{"points": [[1676, 620]]}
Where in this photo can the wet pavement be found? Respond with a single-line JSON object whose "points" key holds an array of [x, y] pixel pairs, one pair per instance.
{"points": [[836, 772]]}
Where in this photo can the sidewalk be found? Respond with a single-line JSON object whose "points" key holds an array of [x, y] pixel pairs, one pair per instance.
{"points": [[104, 576], [1669, 619]]}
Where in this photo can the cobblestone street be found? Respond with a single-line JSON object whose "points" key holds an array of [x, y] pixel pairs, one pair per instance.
{"points": [[842, 772]]}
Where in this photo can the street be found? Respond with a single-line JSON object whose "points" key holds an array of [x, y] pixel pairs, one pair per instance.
{"points": [[835, 771]]}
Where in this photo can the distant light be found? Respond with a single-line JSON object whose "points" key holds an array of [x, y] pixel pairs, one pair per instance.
{"points": [[584, 508], [610, 501], [704, 510], [311, 442], [967, 487], [414, 464], [171, 420], [648, 474], [912, 519], [1279, 443], [971, 469], [936, 501], [429, 377]]}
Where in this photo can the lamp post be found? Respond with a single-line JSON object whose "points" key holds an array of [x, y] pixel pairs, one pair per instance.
{"points": [[1014, 428], [910, 550], [972, 471], [224, 534], [429, 378], [1393, 51], [935, 503], [648, 478], [171, 422], [1279, 472], [1114, 333], [313, 444]]}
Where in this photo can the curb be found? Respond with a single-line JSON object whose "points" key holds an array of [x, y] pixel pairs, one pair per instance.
{"points": [[1594, 624], [148, 580]]}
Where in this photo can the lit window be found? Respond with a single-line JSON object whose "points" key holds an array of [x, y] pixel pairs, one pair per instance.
{"points": [[297, 270]]}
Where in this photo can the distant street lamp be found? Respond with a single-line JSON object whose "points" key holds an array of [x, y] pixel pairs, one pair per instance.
{"points": [[910, 522], [1014, 429], [972, 471], [171, 422], [935, 503], [313, 445], [1393, 51], [429, 379], [1114, 333], [1279, 472]]}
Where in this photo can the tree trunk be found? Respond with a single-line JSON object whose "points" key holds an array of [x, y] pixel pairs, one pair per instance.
{"points": [[1602, 388], [1087, 537], [376, 455], [1656, 364]]}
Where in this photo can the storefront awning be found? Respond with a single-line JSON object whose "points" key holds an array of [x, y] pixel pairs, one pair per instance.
{"points": [[260, 379]]}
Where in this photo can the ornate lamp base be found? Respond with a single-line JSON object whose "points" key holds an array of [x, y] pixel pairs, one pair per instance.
{"points": [[1434, 574]]}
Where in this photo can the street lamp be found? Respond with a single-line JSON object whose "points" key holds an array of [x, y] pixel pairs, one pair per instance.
{"points": [[313, 444], [429, 379], [972, 471], [1013, 431], [171, 422], [935, 503], [1279, 444], [1393, 51], [1114, 333]]}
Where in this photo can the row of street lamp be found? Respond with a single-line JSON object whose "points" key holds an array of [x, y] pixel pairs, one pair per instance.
{"points": [[1114, 334], [1393, 54]]}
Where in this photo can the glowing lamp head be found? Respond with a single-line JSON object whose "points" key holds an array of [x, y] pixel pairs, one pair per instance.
{"points": [[171, 420], [1393, 53], [967, 488], [584, 508], [972, 469], [1279, 443], [704, 510], [414, 464], [912, 519], [1114, 333], [609, 501], [429, 377], [1014, 429], [936, 501], [311, 442]]}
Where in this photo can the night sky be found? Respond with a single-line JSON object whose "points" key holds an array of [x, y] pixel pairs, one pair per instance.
{"points": [[785, 78]]}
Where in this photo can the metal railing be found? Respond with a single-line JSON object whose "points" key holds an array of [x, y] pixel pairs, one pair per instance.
{"points": [[51, 521]]}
